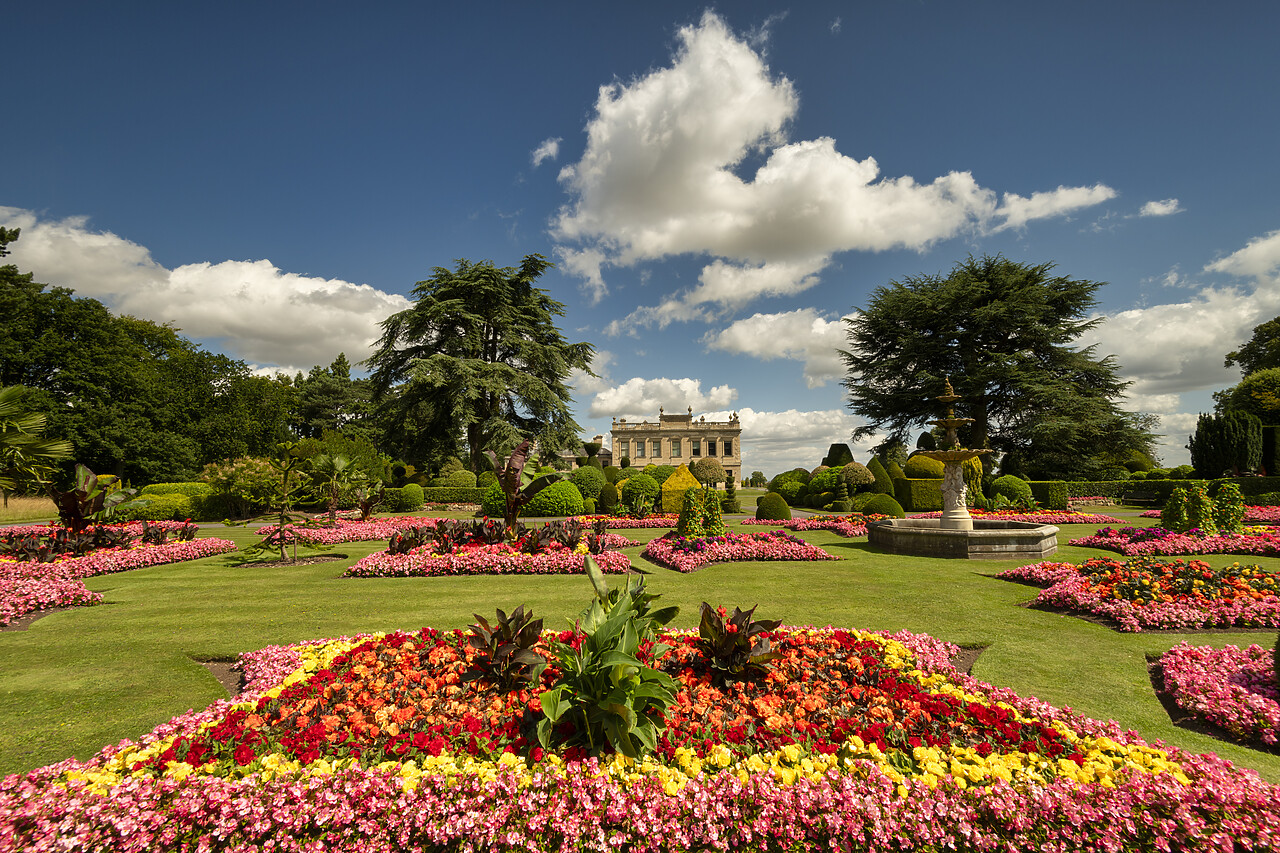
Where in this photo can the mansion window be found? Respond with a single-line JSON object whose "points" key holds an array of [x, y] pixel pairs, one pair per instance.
{"points": [[657, 447], [695, 447], [728, 447], [624, 448], [675, 447], [711, 447], [640, 449]]}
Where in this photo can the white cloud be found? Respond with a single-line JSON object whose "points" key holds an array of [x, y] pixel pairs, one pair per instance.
{"points": [[254, 310], [835, 26], [657, 179], [803, 335], [773, 442], [584, 383], [585, 264], [639, 398], [1018, 211], [1259, 258], [548, 149], [1166, 207]]}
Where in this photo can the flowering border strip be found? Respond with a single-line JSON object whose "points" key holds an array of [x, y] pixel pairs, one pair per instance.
{"points": [[354, 531], [622, 522], [494, 560], [28, 587], [1233, 688], [689, 555], [846, 525], [1164, 799], [1044, 516], [1156, 541], [1072, 590], [1255, 514]]}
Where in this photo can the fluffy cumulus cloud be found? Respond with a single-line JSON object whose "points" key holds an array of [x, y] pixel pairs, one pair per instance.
{"points": [[657, 179], [251, 309], [802, 335], [548, 149], [1164, 207], [639, 398], [1258, 259]]}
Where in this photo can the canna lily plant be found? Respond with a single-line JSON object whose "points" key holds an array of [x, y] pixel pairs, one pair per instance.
{"points": [[518, 485]]}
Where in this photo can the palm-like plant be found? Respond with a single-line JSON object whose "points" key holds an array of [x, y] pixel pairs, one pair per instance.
{"points": [[25, 454], [332, 476]]}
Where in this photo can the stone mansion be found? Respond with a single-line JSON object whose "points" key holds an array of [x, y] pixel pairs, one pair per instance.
{"points": [[679, 438]]}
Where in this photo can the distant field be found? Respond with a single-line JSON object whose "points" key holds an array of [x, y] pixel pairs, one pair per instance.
{"points": [[20, 509]]}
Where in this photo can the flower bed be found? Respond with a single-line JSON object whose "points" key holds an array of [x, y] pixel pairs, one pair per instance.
{"points": [[854, 741], [1140, 541], [854, 524], [1233, 688], [486, 560], [622, 522], [689, 555], [28, 586], [1255, 514], [354, 531], [1040, 516], [1145, 592]]}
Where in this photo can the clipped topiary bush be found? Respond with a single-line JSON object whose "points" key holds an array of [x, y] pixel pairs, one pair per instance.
{"points": [[1012, 488], [170, 507], [857, 477], [589, 480], [824, 480], [608, 498], [861, 499], [560, 498], [883, 482], [613, 473], [659, 473], [773, 507], [414, 499], [674, 489], [1200, 509], [883, 505], [790, 491], [896, 473], [923, 468], [840, 507], [1228, 509], [639, 486], [494, 504], [486, 479], [589, 506], [459, 480], [692, 512]]}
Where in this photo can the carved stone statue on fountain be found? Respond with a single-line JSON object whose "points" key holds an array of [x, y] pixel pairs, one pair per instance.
{"points": [[955, 513]]}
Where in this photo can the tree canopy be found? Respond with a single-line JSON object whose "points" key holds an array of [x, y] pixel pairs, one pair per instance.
{"points": [[478, 357], [1004, 333], [1262, 351]]}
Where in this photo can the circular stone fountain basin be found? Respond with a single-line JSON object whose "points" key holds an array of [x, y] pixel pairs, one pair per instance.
{"points": [[990, 539]]}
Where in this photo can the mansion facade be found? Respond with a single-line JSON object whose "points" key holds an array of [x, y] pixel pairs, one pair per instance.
{"points": [[677, 439]]}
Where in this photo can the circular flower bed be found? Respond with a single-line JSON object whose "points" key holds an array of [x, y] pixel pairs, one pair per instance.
{"points": [[353, 531], [689, 555], [499, 559], [1145, 592], [1135, 541], [851, 741], [623, 522], [1233, 688]]}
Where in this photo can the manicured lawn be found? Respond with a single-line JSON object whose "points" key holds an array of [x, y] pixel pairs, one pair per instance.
{"points": [[84, 678]]}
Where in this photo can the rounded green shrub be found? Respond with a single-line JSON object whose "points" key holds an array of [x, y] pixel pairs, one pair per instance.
{"points": [[589, 506], [861, 499], [560, 498], [414, 499], [923, 468], [607, 500], [883, 505], [818, 500], [816, 471], [773, 507], [895, 472], [857, 477], [1157, 474], [659, 473], [191, 490], [613, 473], [486, 479], [1183, 472], [1138, 475], [1013, 488], [493, 503], [589, 480], [790, 491], [461, 479], [883, 482], [639, 486], [158, 507], [841, 507], [824, 480]]}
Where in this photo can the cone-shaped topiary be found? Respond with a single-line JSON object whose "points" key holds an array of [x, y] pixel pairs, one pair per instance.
{"points": [[883, 505], [608, 499], [712, 519], [674, 488], [690, 524], [1228, 509], [883, 483], [1200, 510], [895, 472], [773, 508]]}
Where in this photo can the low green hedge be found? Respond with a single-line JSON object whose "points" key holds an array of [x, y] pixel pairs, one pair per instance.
{"points": [[1100, 488], [453, 495], [191, 490], [158, 507], [918, 495], [1050, 494]]}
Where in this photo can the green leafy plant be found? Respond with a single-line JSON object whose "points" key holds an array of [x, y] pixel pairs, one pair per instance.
{"points": [[734, 648], [406, 539], [504, 650], [518, 484], [1228, 509], [93, 499], [605, 691], [367, 498]]}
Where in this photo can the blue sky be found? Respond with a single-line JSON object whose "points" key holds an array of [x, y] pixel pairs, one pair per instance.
{"points": [[718, 186]]}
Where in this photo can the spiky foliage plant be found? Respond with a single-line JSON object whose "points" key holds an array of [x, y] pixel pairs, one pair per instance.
{"points": [[505, 655], [734, 648]]}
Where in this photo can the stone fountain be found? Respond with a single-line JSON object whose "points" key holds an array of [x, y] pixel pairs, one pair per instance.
{"points": [[956, 533]]}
